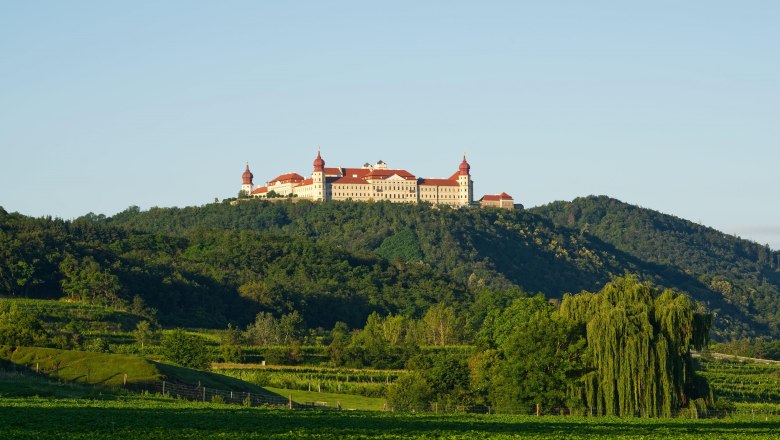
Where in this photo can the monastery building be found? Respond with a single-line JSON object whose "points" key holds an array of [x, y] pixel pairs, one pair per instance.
{"points": [[368, 183]]}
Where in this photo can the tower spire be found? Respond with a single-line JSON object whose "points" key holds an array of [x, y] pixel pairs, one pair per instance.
{"points": [[319, 164], [464, 167]]}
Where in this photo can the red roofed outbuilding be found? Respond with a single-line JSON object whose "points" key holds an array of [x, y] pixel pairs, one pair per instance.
{"points": [[502, 200]]}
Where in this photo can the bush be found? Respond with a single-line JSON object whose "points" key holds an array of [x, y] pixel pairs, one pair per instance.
{"points": [[98, 345], [185, 349], [724, 407], [411, 392]]}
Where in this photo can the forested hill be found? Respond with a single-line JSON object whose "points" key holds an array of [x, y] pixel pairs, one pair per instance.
{"points": [[495, 249], [339, 261], [491, 248], [744, 273]]}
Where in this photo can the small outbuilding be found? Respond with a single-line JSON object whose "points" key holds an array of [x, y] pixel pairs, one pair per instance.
{"points": [[502, 200]]}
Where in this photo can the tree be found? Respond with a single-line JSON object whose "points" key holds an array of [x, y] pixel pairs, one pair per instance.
{"points": [[394, 329], [449, 377], [264, 331], [291, 327], [138, 306], [98, 345], [369, 346], [541, 360], [269, 298], [16, 271], [231, 345], [502, 322], [143, 333], [410, 392], [403, 246], [532, 356], [339, 344], [19, 327], [85, 280], [639, 342], [184, 349], [440, 325]]}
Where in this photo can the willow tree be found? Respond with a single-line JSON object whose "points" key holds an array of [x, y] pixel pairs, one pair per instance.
{"points": [[638, 348]]}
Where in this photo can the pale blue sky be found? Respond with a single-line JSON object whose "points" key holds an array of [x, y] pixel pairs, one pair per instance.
{"points": [[670, 105]]}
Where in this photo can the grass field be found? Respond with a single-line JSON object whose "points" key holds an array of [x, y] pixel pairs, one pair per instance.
{"points": [[158, 418], [34, 408], [82, 366], [331, 400], [110, 369], [368, 383], [19, 385]]}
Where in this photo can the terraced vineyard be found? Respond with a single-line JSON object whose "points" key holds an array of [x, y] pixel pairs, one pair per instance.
{"points": [[368, 383], [82, 317], [741, 381]]}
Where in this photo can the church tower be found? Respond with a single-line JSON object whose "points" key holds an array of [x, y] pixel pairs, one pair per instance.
{"points": [[247, 177], [318, 178], [466, 193]]}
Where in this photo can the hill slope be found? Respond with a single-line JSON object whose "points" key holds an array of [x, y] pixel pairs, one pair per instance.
{"points": [[205, 266], [743, 273], [111, 369]]}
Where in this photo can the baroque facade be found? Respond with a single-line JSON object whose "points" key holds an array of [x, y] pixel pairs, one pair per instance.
{"points": [[369, 183]]}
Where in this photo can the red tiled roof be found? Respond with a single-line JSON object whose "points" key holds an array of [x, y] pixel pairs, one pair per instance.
{"points": [[333, 172], [455, 176], [260, 190], [288, 176], [350, 180], [383, 174], [438, 182], [496, 197], [359, 172], [307, 182]]}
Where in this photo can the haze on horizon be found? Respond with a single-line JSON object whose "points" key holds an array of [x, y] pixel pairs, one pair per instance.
{"points": [[665, 105]]}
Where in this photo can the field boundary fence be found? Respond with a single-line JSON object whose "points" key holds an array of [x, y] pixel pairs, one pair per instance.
{"points": [[204, 394], [533, 410], [214, 395], [246, 398]]}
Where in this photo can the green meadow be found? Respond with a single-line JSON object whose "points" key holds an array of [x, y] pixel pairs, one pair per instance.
{"points": [[161, 418]]}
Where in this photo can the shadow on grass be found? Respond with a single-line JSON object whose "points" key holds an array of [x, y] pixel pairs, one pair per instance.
{"points": [[208, 379], [18, 384]]}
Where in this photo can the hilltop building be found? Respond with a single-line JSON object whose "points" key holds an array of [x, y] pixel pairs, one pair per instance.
{"points": [[369, 183], [502, 200]]}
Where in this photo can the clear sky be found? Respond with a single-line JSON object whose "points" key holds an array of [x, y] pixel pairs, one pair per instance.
{"points": [[671, 105]]}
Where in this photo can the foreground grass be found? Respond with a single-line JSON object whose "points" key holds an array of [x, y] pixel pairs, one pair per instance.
{"points": [[150, 417]]}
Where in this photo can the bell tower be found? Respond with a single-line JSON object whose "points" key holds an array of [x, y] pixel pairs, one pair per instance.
{"points": [[318, 178], [247, 186], [466, 185]]}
